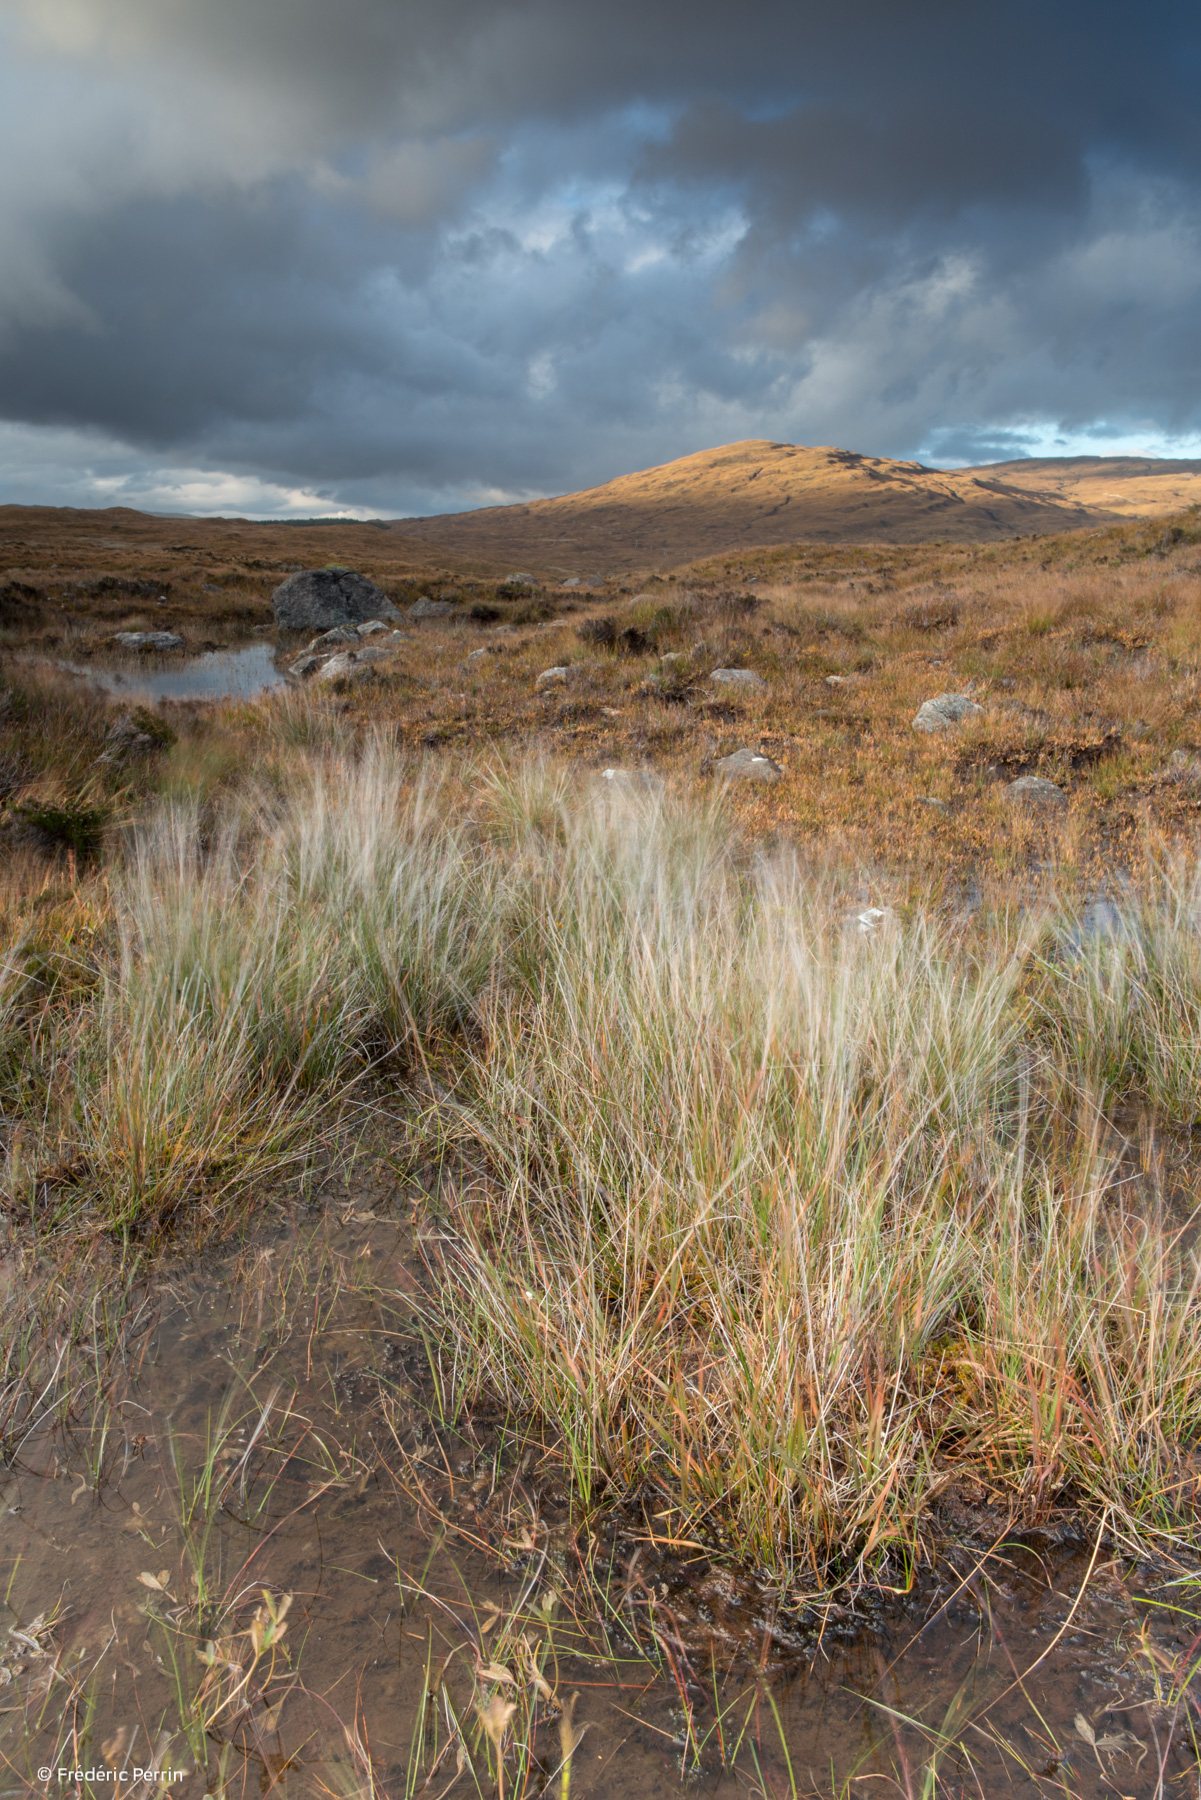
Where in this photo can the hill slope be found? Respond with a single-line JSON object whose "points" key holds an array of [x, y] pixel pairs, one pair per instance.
{"points": [[756, 492], [1133, 486]]}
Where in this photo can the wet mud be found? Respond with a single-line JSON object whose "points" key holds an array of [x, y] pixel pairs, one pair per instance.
{"points": [[260, 1564]]}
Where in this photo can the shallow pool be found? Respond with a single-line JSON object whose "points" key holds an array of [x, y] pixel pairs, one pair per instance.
{"points": [[236, 674]]}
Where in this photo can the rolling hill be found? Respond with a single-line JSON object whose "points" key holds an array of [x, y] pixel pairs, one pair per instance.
{"points": [[753, 493]]}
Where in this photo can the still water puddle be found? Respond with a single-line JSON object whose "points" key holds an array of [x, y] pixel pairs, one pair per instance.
{"points": [[236, 674], [257, 1564]]}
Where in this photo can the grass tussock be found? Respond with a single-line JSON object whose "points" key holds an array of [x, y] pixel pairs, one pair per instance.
{"points": [[786, 1218]]}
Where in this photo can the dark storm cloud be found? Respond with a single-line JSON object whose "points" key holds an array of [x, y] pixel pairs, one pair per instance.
{"points": [[412, 254]]}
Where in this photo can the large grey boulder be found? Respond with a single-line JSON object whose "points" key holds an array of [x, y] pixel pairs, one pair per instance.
{"points": [[747, 765], [322, 599], [1034, 790], [944, 711]]}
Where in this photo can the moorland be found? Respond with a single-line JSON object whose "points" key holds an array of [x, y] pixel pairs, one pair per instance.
{"points": [[629, 1168]]}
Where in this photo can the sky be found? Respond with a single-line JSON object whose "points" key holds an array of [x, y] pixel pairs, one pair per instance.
{"points": [[395, 257]]}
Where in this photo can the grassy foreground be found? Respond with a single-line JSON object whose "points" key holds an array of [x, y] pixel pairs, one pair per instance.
{"points": [[784, 1219]]}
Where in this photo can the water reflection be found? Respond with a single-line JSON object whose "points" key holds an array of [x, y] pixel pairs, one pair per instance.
{"points": [[216, 675]]}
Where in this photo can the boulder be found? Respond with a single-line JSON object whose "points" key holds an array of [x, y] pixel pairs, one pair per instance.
{"points": [[743, 678], [1033, 790], [307, 664], [148, 640], [371, 628], [425, 608], [944, 711], [552, 677], [321, 599], [333, 640], [747, 765]]}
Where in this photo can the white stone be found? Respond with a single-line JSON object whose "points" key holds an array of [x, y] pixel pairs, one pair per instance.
{"points": [[944, 711]]}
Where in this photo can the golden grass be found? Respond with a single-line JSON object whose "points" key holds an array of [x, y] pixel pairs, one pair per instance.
{"points": [[782, 1220]]}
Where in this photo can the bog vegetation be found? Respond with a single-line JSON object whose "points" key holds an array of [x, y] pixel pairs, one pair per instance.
{"points": [[787, 1216]]}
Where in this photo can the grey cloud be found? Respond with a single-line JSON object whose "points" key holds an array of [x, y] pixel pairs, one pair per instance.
{"points": [[449, 248]]}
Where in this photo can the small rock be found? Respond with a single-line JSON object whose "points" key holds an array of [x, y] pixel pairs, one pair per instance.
{"points": [[746, 678], [944, 711], [1008, 683], [485, 650], [673, 659], [370, 627], [631, 779], [929, 800], [319, 599], [838, 681], [573, 581], [552, 677], [329, 640], [425, 608], [346, 667], [148, 640], [872, 920], [306, 664], [1033, 790], [520, 576], [747, 765]]}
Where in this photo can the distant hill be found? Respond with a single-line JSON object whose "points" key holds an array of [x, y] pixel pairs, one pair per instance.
{"points": [[756, 492], [1133, 486]]}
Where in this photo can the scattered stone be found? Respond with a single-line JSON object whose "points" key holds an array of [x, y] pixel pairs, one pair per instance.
{"points": [[148, 640], [345, 667], [319, 599], [373, 653], [125, 738], [329, 640], [306, 664], [520, 577], [746, 678], [372, 628], [425, 608], [1008, 683], [552, 677], [484, 650], [573, 581], [747, 765], [1034, 790], [944, 711], [872, 921], [929, 800], [630, 779]]}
